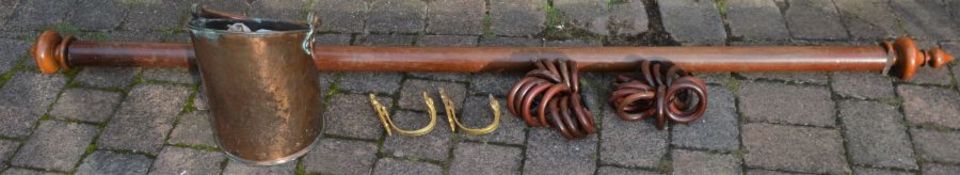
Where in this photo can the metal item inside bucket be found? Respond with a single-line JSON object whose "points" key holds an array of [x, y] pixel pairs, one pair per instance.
{"points": [[261, 88]]}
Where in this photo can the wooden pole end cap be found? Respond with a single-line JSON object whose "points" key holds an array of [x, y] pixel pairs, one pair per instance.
{"points": [[49, 51]]}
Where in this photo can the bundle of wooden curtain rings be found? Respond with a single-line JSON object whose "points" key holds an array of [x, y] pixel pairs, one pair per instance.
{"points": [[384, 114]]}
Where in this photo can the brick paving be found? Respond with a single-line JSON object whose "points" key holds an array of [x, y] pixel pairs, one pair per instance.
{"points": [[153, 120]]}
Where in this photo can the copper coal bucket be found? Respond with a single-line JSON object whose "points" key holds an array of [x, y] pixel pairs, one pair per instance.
{"points": [[261, 87]]}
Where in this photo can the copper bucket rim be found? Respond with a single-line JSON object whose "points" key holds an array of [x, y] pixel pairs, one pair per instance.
{"points": [[198, 25]]}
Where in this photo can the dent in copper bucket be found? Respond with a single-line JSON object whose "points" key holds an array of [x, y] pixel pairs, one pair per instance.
{"points": [[261, 88]]}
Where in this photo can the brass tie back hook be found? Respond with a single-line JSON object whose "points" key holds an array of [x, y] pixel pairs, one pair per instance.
{"points": [[455, 123], [384, 114]]}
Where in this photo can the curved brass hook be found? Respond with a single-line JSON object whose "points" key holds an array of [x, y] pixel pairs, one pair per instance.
{"points": [[388, 124], [452, 116]]}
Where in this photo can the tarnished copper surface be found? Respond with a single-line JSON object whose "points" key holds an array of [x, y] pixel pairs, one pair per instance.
{"points": [[550, 96], [661, 90], [261, 89]]}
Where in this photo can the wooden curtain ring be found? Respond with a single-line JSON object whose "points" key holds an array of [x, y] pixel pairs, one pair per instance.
{"points": [[388, 124], [455, 122]]}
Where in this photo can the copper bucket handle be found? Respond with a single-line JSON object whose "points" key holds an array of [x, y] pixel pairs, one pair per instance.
{"points": [[313, 22]]}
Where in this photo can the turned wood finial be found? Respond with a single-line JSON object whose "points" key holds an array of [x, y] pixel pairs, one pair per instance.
{"points": [[908, 58], [49, 52]]}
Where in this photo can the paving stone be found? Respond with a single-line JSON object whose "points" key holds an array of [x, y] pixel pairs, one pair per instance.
{"points": [[405, 167], [325, 80], [36, 15], [12, 53], [463, 17], [448, 40], [411, 96], [282, 10], [193, 129], [940, 169], [768, 172], [478, 158], [353, 157], [97, 15], [351, 115], [926, 19], [549, 153], [7, 149], [509, 42], [478, 115], [875, 135], [869, 19], [6, 9], [55, 146], [333, 39], [176, 75], [770, 102], [345, 16], [231, 6], [609, 170], [401, 16], [814, 19], [936, 146], [631, 144], [364, 82], [628, 18], [32, 91], [200, 101], [176, 160], [715, 78], [444, 76], [696, 162], [812, 78], [717, 129], [106, 162], [864, 85], [587, 15], [234, 167], [693, 22], [107, 77], [18, 121], [495, 83], [158, 15], [756, 20], [21, 171], [934, 106], [144, 119], [517, 17], [135, 36], [432, 146], [387, 40], [86, 105], [932, 76], [874, 171], [792, 148], [573, 43]]}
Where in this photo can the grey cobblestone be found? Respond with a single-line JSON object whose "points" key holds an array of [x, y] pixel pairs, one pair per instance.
{"points": [[478, 115], [769, 172], [386, 40], [873, 171], [932, 76], [432, 146], [234, 167], [498, 84], [175, 75], [818, 78], [448, 40], [517, 17], [756, 20], [363, 82], [22, 171], [7, 8], [405, 167], [805, 105], [157, 15], [396, 16], [927, 105], [693, 22], [97, 15], [35, 15], [940, 169], [549, 153], [176, 160], [193, 129], [283, 10], [456, 17], [717, 129], [791, 148], [631, 144], [7, 149], [86, 105], [12, 53], [351, 115], [17, 121], [353, 157], [926, 19], [341, 15], [869, 19], [478, 158], [411, 96], [628, 18], [936, 146], [55, 146], [144, 118], [695, 162], [334, 39], [31, 91], [106, 162], [814, 19], [867, 85], [587, 15], [510, 41], [444, 76], [609, 170], [107, 77], [875, 135], [573, 43]]}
